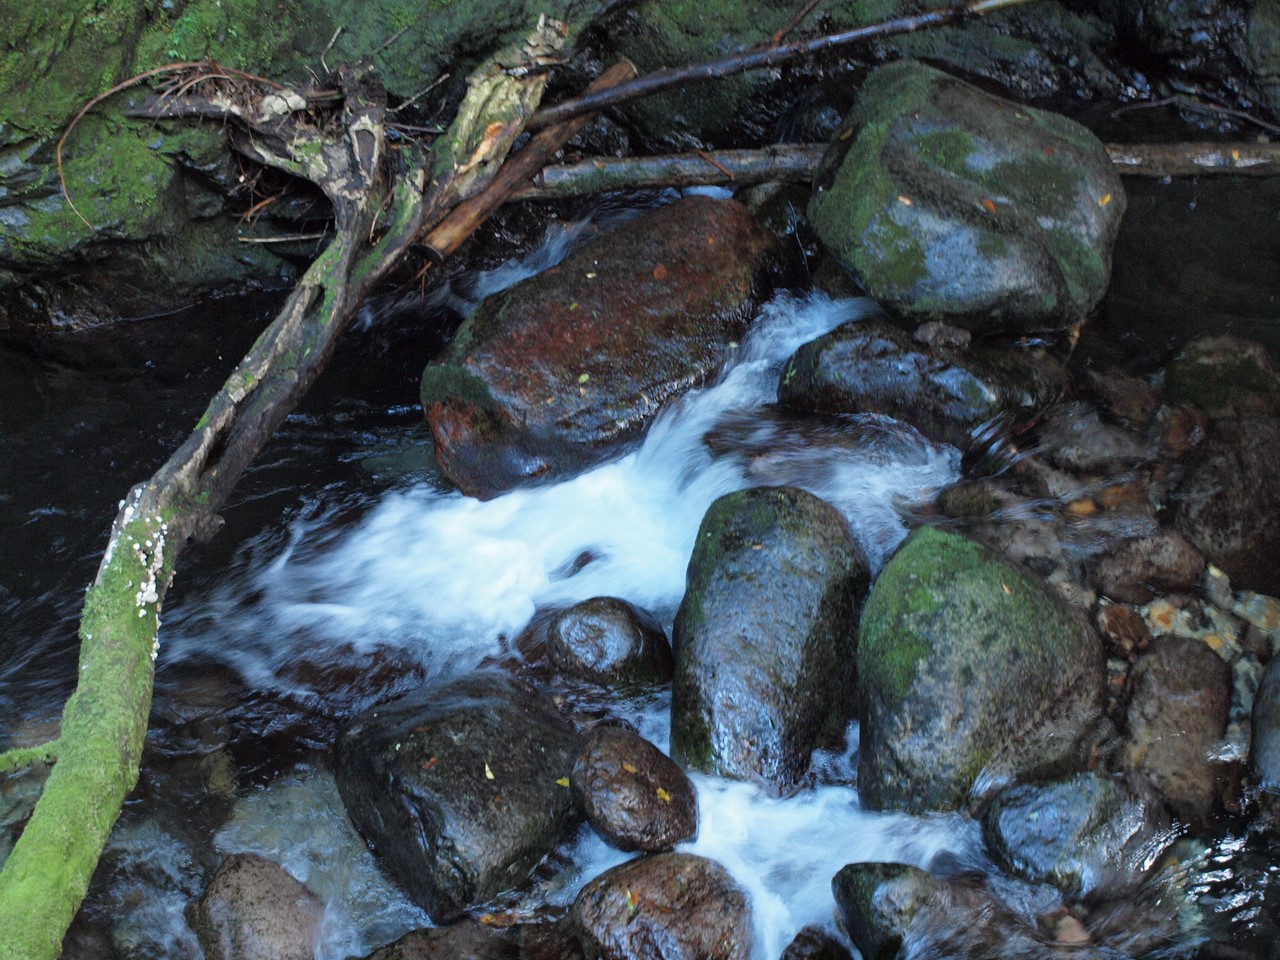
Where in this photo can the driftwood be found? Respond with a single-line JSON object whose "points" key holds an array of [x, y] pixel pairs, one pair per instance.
{"points": [[381, 206], [797, 163]]}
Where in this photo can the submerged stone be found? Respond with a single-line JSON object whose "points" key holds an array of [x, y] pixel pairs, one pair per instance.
{"points": [[610, 642], [1089, 835], [765, 637], [970, 671], [254, 910], [945, 392], [461, 787], [567, 368], [948, 203]]}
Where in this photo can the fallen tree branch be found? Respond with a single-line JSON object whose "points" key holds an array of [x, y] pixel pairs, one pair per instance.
{"points": [[19, 758], [104, 723], [797, 163], [670, 77], [1195, 159]]}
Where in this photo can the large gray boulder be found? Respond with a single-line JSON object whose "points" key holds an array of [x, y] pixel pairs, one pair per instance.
{"points": [[567, 368], [456, 787], [765, 635], [948, 203], [970, 671]]}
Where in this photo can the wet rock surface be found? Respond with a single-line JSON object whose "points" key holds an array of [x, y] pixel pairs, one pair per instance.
{"points": [[1228, 504], [1137, 570], [814, 943], [610, 642], [567, 368], [968, 669], [466, 938], [1264, 747], [633, 794], [765, 637], [254, 910], [1177, 716], [455, 786], [671, 905], [1089, 835], [870, 366], [947, 203]]}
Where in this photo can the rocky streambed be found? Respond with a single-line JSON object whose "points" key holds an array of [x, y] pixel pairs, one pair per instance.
{"points": [[779, 622]]}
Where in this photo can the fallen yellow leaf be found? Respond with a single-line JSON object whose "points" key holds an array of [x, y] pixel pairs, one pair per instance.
{"points": [[664, 796], [562, 782], [630, 768], [1104, 199], [488, 774]]}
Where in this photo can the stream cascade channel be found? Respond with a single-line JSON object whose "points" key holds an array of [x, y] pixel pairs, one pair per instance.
{"points": [[350, 571]]}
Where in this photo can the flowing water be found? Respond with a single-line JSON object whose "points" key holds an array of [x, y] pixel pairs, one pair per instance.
{"points": [[350, 572]]}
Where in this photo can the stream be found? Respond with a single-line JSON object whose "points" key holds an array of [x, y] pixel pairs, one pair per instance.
{"points": [[349, 572]]}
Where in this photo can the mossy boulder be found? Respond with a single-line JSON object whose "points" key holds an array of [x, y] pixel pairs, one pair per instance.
{"points": [[1224, 376], [460, 787], [567, 368], [948, 203], [869, 366], [163, 232], [970, 671], [765, 636]]}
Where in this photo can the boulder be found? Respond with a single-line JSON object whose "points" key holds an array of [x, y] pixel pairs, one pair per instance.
{"points": [[815, 943], [1136, 570], [467, 938], [869, 366], [610, 642], [1224, 376], [633, 794], [1089, 835], [970, 671], [1180, 697], [567, 368], [765, 636], [948, 203], [254, 910], [455, 786], [671, 905], [892, 910], [1228, 503]]}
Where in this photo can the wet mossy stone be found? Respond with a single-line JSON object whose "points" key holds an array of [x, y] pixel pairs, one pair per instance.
{"points": [[1089, 835], [970, 671], [765, 637], [456, 787], [1225, 376], [870, 366], [610, 642], [947, 203], [566, 369]]}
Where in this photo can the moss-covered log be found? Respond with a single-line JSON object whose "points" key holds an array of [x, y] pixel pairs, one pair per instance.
{"points": [[382, 205]]}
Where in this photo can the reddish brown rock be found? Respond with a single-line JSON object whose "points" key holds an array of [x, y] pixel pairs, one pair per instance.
{"points": [[633, 794], [562, 371], [254, 910], [671, 905]]}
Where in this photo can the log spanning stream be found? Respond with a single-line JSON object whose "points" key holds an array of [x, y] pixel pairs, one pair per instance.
{"points": [[350, 573]]}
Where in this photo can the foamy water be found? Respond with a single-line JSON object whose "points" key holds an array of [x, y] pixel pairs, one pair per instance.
{"points": [[447, 579]]}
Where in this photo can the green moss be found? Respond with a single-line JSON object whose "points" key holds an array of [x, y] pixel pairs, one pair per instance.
{"points": [[103, 728], [946, 149], [448, 381]]}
